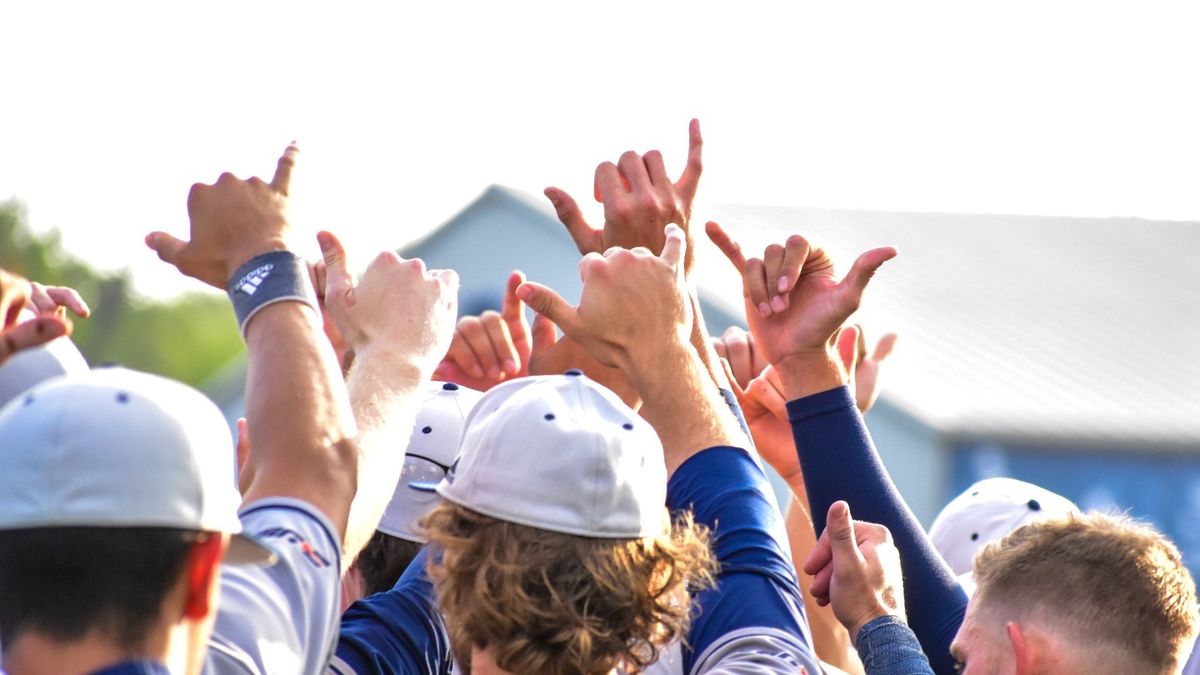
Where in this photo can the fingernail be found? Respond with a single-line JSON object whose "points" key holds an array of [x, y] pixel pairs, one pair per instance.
{"points": [[783, 284], [764, 310], [493, 372], [510, 366], [777, 304]]}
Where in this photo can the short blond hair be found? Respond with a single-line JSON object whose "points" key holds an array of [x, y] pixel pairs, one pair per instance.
{"points": [[1114, 586], [545, 602]]}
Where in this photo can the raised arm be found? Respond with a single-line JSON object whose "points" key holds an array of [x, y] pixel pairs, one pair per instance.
{"points": [[297, 409], [398, 320], [795, 306]]}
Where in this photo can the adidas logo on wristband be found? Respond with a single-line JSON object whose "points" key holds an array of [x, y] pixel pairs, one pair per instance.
{"points": [[250, 282]]}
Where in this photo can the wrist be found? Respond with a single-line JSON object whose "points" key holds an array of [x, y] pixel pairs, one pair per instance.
{"points": [[248, 251], [393, 364], [806, 373], [855, 628]]}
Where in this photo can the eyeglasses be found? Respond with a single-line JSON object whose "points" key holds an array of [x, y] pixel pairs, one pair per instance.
{"points": [[422, 473]]}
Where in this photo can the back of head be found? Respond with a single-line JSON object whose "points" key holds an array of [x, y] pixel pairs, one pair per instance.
{"points": [[556, 554], [1113, 589], [107, 478]]}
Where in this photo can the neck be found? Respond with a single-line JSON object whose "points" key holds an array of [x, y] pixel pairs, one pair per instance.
{"points": [[35, 652]]}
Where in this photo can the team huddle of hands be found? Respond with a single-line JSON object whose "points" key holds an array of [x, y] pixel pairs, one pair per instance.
{"points": [[637, 318]]}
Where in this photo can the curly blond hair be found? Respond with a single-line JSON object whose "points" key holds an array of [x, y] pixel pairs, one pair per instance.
{"points": [[545, 602]]}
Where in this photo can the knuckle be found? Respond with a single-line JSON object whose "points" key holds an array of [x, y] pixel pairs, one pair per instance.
{"points": [[629, 156], [226, 177], [796, 241], [774, 250], [653, 156]]}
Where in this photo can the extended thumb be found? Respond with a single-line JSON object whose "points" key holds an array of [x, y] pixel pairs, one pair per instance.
{"points": [[840, 526]]}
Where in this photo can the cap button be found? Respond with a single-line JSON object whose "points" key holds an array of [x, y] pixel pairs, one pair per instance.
{"points": [[1034, 505], [574, 372], [450, 386]]}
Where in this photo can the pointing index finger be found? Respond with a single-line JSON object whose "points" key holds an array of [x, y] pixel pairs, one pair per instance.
{"points": [[282, 181], [728, 246]]}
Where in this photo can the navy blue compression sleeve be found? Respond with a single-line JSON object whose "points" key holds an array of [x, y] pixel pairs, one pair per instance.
{"points": [[399, 631], [754, 618], [839, 462]]}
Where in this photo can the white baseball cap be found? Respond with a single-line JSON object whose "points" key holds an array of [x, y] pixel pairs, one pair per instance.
{"points": [[118, 448], [32, 366], [431, 450], [564, 454], [986, 512]]}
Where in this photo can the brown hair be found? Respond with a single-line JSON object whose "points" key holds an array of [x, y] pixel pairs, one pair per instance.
{"points": [[545, 602], [1108, 582], [383, 560]]}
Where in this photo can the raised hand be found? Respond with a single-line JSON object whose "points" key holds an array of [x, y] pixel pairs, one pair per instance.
{"points": [[795, 304], [398, 309], [232, 221], [633, 302], [495, 346], [25, 323], [863, 367], [856, 568], [639, 199]]}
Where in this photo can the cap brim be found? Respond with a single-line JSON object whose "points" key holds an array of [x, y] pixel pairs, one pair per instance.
{"points": [[246, 551], [423, 487]]}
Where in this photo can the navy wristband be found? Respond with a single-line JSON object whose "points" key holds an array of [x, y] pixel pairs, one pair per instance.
{"points": [[268, 278]]}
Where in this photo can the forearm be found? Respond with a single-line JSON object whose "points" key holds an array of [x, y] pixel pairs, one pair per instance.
{"points": [[385, 396], [839, 461], [682, 404], [830, 639], [298, 413]]}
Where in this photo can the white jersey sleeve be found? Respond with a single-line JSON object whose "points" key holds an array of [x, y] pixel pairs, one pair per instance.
{"points": [[282, 618]]}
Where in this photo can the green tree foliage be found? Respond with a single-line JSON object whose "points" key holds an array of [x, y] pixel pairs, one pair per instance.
{"points": [[188, 338]]}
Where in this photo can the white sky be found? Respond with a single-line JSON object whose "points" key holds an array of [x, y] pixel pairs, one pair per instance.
{"points": [[405, 111]]}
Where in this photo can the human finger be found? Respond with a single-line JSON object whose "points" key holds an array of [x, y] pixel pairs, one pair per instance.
{"points": [[609, 183], [675, 247], [847, 346], [474, 335], [772, 262], [502, 343], [731, 249], [821, 583], [167, 247], [756, 286], [820, 555], [339, 283], [32, 333], [656, 169], [545, 301], [690, 179], [842, 537], [767, 392], [61, 296], [513, 311], [738, 348], [795, 250], [544, 336], [282, 181], [633, 170], [851, 288], [884, 347], [586, 237]]}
